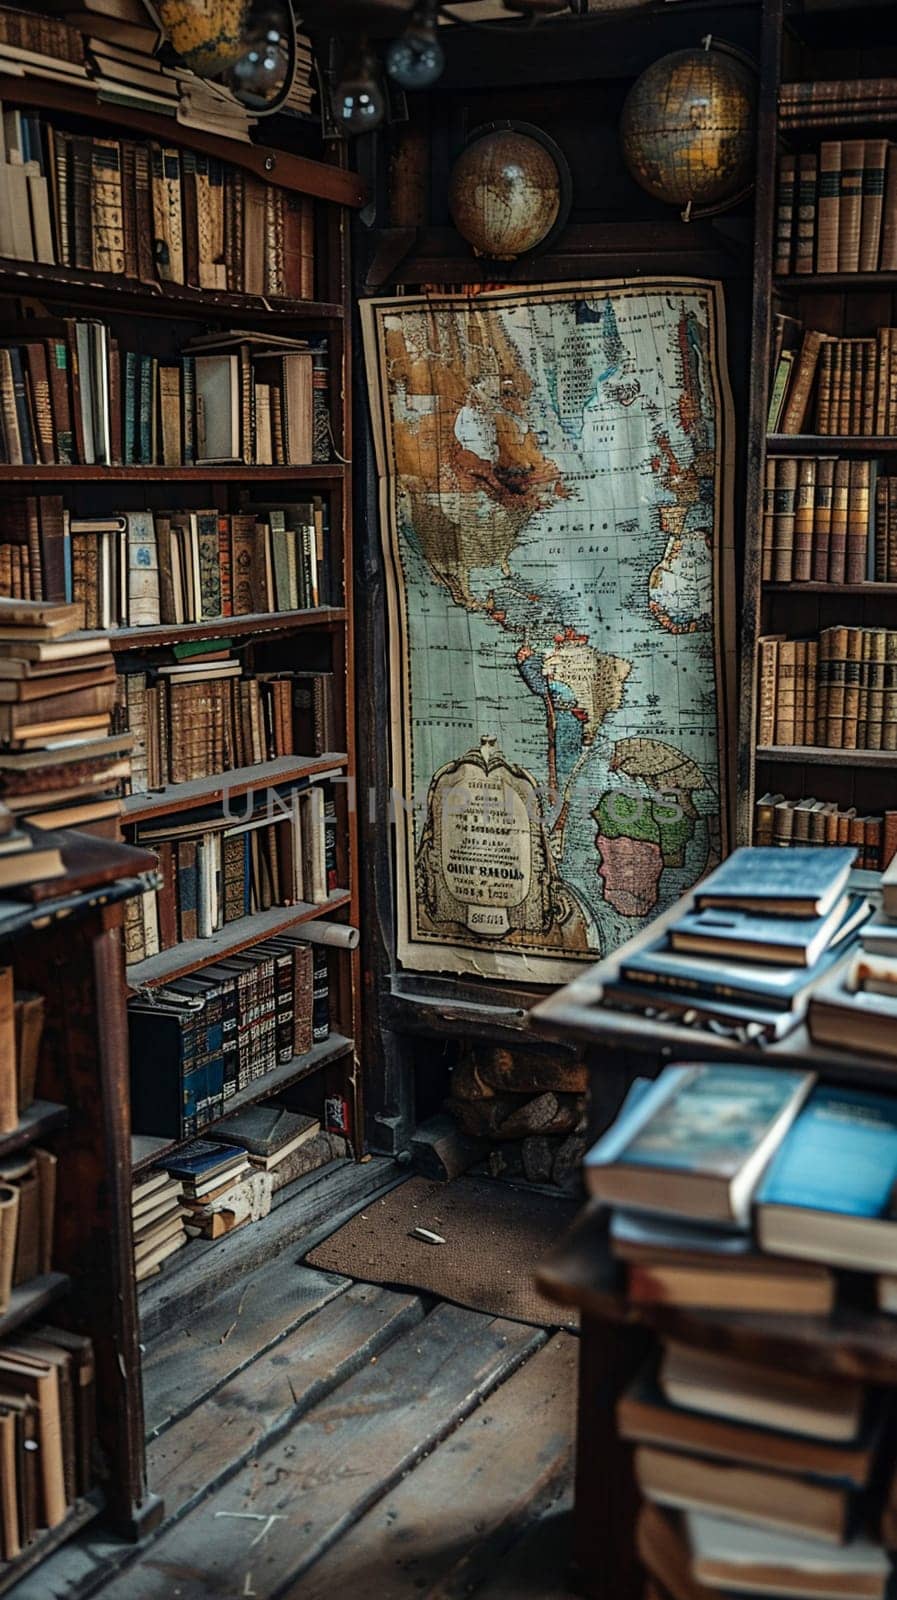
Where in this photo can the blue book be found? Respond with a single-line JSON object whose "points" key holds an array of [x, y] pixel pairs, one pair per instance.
{"points": [[749, 936], [694, 1143], [202, 1158], [804, 882], [828, 1193], [776, 987]]}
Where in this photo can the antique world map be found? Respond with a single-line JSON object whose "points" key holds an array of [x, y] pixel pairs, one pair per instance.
{"points": [[555, 481]]}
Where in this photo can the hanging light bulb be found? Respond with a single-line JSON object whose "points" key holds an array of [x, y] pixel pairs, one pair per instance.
{"points": [[358, 102], [416, 59]]}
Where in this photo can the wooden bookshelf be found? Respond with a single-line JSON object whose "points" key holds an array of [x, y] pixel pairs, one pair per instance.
{"points": [[39, 1120], [32, 1299], [146, 1150], [844, 305], [84, 1511], [163, 317], [192, 954]]}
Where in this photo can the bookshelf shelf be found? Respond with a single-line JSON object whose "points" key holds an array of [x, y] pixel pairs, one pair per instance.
{"points": [[322, 179], [321, 472], [824, 756], [31, 1298], [81, 1514], [825, 282], [117, 293], [41, 1118], [256, 622], [208, 791], [830, 444], [147, 1150], [192, 954], [868, 588]]}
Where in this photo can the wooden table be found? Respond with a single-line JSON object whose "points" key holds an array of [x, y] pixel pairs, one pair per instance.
{"points": [[616, 1337]]}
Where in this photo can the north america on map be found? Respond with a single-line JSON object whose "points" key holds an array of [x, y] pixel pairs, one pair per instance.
{"points": [[553, 473]]}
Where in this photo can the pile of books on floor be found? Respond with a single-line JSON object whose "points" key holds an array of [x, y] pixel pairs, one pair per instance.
{"points": [[856, 1004], [741, 956], [740, 1189], [228, 1179], [60, 767], [791, 823], [157, 1221], [836, 208], [47, 1431], [200, 1039], [239, 399], [216, 870]]}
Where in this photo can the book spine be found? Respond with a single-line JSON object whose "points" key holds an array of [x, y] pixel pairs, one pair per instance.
{"points": [[805, 503], [806, 214], [784, 515], [837, 561], [785, 205], [857, 521], [786, 692], [800, 390], [767, 673], [850, 212], [828, 206], [888, 258], [874, 170]]}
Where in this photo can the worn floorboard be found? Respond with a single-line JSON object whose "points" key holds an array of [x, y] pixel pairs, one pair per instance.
{"points": [[447, 1524], [255, 1407], [534, 1567], [192, 1359], [298, 1496]]}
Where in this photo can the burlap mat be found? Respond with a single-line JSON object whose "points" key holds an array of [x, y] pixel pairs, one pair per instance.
{"points": [[494, 1236]]}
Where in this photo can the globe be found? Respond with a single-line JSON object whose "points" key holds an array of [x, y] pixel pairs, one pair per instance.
{"points": [[505, 194], [687, 127], [206, 34]]}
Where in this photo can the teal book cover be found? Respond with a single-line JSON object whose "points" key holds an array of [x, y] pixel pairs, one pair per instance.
{"points": [[715, 1120], [840, 1156]]}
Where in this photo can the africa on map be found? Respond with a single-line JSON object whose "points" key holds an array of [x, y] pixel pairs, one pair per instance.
{"points": [[555, 480]]}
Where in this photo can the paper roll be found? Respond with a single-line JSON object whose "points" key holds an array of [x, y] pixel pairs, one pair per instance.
{"points": [[338, 934]]}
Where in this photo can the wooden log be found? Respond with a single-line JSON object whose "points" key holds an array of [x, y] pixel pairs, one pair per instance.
{"points": [[529, 1073], [566, 1170], [481, 1117], [441, 1150], [547, 1113], [506, 1161], [537, 1154], [469, 1083]]}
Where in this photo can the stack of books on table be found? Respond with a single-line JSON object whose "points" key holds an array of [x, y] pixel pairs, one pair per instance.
{"points": [[60, 767], [747, 947], [157, 1218], [856, 1005], [740, 1189]]}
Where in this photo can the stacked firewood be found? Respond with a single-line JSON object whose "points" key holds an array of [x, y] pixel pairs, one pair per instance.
{"points": [[529, 1106]]}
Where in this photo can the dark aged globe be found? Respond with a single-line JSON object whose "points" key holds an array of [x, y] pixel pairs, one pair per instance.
{"points": [[687, 128], [505, 194]]}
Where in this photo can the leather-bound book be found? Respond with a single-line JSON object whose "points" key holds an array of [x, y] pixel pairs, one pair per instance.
{"points": [[851, 206], [828, 206], [805, 232], [804, 509], [875, 158], [785, 207]]}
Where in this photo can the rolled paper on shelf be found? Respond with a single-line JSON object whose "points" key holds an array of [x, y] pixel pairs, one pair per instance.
{"points": [[337, 934]]}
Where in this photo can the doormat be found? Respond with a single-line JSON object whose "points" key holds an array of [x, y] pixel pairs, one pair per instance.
{"points": [[494, 1236]]}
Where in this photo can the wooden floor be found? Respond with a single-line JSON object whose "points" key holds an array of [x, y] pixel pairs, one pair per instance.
{"points": [[317, 1438]]}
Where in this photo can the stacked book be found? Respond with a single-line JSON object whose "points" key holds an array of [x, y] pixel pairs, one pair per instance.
{"points": [[745, 951], [33, 45], [198, 716], [835, 386], [59, 764], [220, 1189], [836, 208], [856, 1006], [150, 212], [790, 824], [838, 691], [826, 520], [841, 100], [27, 1218], [740, 1189], [70, 393], [157, 1221], [199, 1040], [279, 850], [47, 1431], [271, 1137]]}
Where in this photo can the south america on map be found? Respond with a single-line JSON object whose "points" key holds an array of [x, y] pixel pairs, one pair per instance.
{"points": [[555, 488]]}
